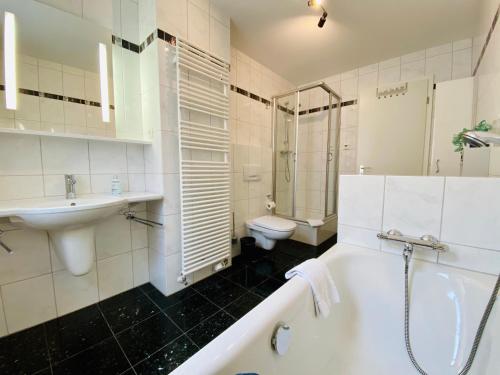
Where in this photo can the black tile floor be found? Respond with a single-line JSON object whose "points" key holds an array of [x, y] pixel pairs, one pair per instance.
{"points": [[145, 333]]}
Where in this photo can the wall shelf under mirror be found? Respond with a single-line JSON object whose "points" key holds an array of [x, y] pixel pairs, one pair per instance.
{"points": [[42, 133]]}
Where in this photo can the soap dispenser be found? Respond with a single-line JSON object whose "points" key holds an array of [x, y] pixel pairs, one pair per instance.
{"points": [[116, 187]]}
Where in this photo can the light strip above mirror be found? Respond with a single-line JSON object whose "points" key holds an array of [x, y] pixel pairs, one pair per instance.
{"points": [[10, 61], [103, 75]]}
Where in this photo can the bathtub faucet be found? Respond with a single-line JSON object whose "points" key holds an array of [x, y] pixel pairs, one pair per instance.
{"points": [[426, 241]]}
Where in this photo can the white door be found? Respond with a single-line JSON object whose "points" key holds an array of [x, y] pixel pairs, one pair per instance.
{"points": [[453, 105], [392, 130]]}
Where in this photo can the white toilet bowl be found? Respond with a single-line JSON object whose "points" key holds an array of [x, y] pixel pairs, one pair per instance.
{"points": [[268, 229]]}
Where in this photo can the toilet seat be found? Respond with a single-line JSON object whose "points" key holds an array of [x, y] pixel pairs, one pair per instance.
{"points": [[274, 223]]}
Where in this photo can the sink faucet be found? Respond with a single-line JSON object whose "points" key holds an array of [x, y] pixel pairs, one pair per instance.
{"points": [[70, 182]]}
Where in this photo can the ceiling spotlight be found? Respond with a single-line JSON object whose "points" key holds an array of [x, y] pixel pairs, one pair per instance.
{"points": [[314, 3], [322, 20], [317, 4]]}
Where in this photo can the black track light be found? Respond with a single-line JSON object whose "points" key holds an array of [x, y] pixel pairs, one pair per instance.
{"points": [[322, 20], [317, 4]]}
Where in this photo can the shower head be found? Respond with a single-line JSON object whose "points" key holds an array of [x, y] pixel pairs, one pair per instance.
{"points": [[481, 139]]}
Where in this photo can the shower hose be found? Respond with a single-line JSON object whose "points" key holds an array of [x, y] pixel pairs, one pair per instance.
{"points": [[479, 333]]}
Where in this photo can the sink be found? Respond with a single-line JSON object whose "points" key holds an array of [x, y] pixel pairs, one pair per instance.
{"points": [[70, 224], [64, 214]]}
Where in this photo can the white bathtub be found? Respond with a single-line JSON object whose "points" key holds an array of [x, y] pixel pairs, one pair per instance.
{"points": [[364, 333]]}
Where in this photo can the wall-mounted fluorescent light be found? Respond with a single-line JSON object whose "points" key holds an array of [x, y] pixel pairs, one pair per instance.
{"points": [[9, 43], [103, 75]]}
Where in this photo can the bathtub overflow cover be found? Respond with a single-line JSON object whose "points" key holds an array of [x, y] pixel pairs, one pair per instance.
{"points": [[281, 338]]}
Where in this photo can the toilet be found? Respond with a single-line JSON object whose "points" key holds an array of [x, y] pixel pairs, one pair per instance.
{"points": [[268, 229]]}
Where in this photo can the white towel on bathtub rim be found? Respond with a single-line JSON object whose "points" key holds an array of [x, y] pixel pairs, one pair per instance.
{"points": [[324, 291]]}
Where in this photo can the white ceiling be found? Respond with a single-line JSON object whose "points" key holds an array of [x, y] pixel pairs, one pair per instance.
{"points": [[283, 34]]}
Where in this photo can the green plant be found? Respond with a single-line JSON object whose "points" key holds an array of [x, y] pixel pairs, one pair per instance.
{"points": [[458, 139]]}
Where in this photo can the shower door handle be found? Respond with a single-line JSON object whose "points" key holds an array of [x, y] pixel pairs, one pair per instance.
{"points": [[437, 166], [330, 156]]}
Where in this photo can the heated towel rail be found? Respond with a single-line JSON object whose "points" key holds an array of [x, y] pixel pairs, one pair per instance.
{"points": [[205, 175]]}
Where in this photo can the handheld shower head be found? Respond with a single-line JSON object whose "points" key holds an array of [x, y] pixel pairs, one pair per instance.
{"points": [[481, 139]]}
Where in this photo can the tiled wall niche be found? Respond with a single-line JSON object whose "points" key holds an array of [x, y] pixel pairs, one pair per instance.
{"points": [[425, 205], [34, 286]]}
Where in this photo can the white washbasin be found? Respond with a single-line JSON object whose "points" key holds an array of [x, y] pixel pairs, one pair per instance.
{"points": [[70, 222], [57, 214]]}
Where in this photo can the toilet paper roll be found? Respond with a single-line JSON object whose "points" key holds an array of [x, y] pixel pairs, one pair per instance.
{"points": [[270, 205]]}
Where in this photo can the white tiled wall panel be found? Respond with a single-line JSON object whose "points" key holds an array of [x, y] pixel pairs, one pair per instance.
{"points": [[32, 166], [462, 212]]}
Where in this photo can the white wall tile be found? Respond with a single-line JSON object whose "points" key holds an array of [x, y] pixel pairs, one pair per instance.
{"points": [[462, 44], [198, 26], [172, 17], [358, 236], [391, 63], [20, 187], [471, 212], [157, 270], [113, 237], [107, 157], [389, 75], [438, 50], [28, 76], [462, 63], [75, 292], [141, 266], [361, 201], [412, 70], [50, 80], [115, 275], [55, 185], [28, 302], [413, 205], [51, 111], [412, 57], [471, 258], [28, 108], [65, 156], [135, 158], [31, 257], [20, 155], [73, 85], [439, 66], [74, 114]]}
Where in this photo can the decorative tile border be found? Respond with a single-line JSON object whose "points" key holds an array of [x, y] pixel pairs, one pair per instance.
{"points": [[138, 48], [256, 97], [58, 97]]}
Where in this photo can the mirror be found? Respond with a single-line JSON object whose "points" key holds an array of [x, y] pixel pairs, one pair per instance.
{"points": [[70, 67], [417, 127]]}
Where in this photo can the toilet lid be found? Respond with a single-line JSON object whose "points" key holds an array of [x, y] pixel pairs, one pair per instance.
{"points": [[274, 223]]}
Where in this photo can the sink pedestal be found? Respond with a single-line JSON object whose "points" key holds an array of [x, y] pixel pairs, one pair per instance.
{"points": [[75, 248]]}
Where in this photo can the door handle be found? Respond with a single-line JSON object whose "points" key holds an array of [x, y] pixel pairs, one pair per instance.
{"points": [[437, 166], [363, 169]]}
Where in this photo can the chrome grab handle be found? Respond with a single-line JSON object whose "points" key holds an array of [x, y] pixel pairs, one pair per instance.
{"points": [[424, 241], [437, 166]]}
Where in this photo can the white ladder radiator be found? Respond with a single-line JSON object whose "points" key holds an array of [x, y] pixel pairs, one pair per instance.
{"points": [[204, 142]]}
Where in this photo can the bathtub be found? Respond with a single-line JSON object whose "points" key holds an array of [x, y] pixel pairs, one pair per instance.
{"points": [[364, 333]]}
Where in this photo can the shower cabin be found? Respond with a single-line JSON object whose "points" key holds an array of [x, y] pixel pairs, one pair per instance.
{"points": [[306, 127]]}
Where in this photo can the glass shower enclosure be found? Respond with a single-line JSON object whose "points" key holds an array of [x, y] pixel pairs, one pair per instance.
{"points": [[306, 127]]}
